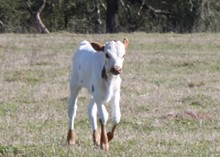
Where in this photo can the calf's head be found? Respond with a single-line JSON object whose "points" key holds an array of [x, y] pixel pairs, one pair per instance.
{"points": [[114, 53]]}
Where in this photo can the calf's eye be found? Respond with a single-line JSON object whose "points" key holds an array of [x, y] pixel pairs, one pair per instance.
{"points": [[107, 55]]}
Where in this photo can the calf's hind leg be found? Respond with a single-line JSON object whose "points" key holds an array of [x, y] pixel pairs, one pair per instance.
{"points": [[92, 110], [71, 137]]}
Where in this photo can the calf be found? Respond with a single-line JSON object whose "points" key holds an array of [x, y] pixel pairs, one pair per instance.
{"points": [[97, 68]]}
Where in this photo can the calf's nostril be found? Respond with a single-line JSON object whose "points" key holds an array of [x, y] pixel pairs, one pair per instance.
{"points": [[119, 70], [116, 70]]}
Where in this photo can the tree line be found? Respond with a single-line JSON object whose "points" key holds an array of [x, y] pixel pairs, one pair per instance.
{"points": [[109, 16]]}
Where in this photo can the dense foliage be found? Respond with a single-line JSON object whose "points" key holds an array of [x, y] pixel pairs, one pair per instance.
{"points": [[89, 16]]}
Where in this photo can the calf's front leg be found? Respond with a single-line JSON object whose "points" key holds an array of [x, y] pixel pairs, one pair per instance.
{"points": [[104, 138], [116, 115], [103, 117]]}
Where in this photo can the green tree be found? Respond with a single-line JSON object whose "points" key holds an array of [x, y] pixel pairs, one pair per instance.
{"points": [[100, 16]]}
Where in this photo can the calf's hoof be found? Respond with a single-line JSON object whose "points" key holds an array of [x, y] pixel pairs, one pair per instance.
{"points": [[71, 137], [105, 146], [96, 137], [110, 136]]}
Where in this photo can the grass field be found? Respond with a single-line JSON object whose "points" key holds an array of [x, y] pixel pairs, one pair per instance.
{"points": [[170, 96]]}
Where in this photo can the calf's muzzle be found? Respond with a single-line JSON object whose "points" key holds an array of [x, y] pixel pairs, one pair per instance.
{"points": [[116, 70]]}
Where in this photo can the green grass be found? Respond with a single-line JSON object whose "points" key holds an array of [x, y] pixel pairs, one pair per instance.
{"points": [[170, 96]]}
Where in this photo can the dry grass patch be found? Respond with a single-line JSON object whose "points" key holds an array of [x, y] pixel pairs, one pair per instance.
{"points": [[169, 101]]}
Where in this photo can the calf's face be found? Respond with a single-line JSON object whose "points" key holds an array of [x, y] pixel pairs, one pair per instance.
{"points": [[114, 57], [114, 53]]}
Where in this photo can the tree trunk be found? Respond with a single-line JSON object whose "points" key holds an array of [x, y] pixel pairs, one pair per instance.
{"points": [[112, 16], [39, 22]]}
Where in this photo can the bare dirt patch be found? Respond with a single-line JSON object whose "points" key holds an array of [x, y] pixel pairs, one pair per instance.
{"points": [[191, 115]]}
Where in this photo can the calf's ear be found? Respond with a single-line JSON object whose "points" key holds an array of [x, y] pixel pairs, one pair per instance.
{"points": [[125, 42], [97, 46]]}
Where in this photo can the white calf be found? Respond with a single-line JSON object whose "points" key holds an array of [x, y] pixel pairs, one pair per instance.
{"points": [[97, 68]]}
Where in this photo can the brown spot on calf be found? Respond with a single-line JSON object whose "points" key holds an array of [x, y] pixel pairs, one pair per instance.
{"points": [[93, 89], [104, 75], [97, 46]]}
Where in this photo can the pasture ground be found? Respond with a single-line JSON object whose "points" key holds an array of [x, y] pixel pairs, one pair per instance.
{"points": [[170, 96]]}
